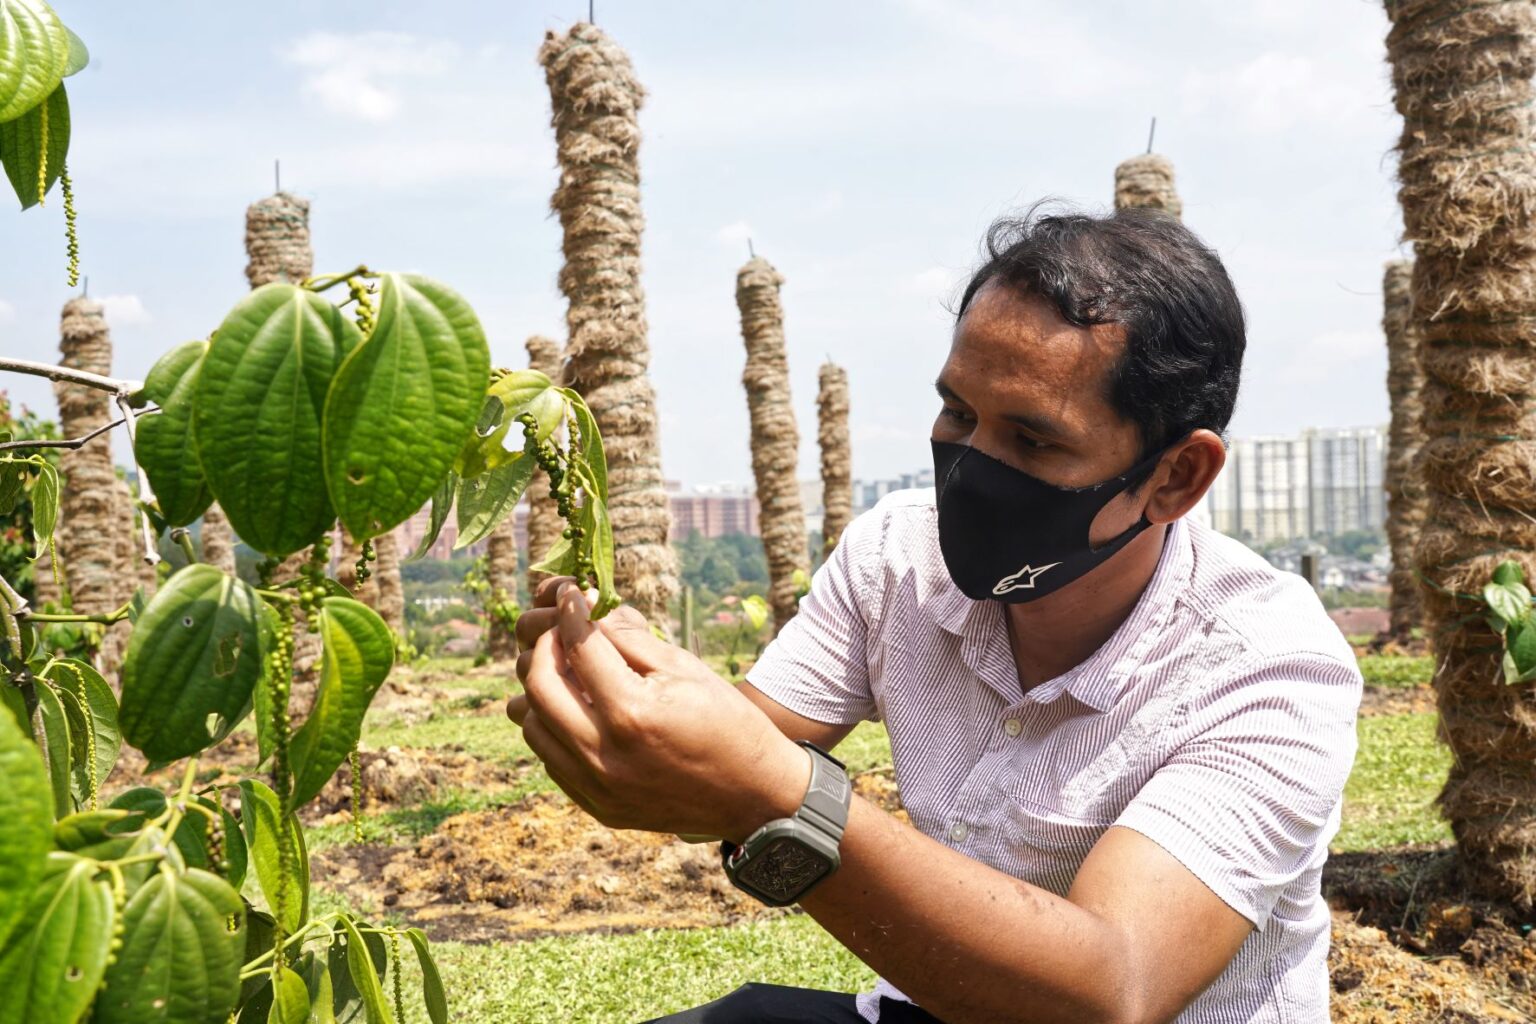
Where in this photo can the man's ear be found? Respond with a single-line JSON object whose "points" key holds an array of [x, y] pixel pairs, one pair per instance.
{"points": [[1187, 472]]}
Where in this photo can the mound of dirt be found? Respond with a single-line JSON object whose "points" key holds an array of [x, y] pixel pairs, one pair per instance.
{"points": [[397, 777], [1375, 982], [544, 867], [1416, 897]]}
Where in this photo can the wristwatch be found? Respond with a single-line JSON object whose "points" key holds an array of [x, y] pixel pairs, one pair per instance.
{"points": [[786, 858]]}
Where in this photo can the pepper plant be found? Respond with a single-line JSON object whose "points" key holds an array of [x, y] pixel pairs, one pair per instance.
{"points": [[295, 414]]}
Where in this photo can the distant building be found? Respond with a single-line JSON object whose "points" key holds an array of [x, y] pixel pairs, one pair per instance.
{"points": [[1322, 483], [867, 493]]}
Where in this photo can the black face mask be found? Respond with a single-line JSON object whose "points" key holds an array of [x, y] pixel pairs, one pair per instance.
{"points": [[1008, 536]]}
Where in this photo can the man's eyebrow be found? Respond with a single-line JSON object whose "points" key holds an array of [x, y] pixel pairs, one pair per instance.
{"points": [[1041, 426]]}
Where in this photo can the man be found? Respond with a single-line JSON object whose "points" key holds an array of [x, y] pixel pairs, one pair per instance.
{"points": [[1122, 738]]}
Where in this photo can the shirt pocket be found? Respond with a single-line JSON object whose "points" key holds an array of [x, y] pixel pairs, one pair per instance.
{"points": [[1046, 847]]}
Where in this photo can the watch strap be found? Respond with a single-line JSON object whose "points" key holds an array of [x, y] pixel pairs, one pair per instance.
{"points": [[825, 806]]}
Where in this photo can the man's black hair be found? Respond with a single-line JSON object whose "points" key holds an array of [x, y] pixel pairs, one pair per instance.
{"points": [[1144, 270]]}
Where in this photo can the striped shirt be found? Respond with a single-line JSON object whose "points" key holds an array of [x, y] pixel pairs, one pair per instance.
{"points": [[1218, 721]]}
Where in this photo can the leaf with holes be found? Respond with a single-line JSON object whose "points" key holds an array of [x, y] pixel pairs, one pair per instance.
{"points": [[357, 652], [403, 404], [192, 663], [257, 414], [487, 499], [163, 440], [52, 965], [26, 811], [33, 147], [183, 940], [34, 55], [94, 736], [271, 837]]}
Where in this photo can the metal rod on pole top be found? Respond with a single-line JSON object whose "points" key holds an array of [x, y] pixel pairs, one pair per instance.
{"points": [[751, 252], [277, 175], [591, 14], [1152, 134]]}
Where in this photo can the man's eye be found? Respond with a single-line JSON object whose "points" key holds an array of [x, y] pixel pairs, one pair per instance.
{"points": [[956, 415], [1029, 442]]}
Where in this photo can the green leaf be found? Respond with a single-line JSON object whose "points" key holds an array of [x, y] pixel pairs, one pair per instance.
{"points": [[52, 966], [348, 997], [442, 501], [487, 499], [192, 663], [257, 414], [756, 610], [357, 652], [591, 442], [1509, 571], [79, 56], [402, 404], [598, 538], [267, 832], [1508, 601], [55, 726], [13, 482], [98, 721], [235, 851], [26, 813], [45, 508], [85, 829], [1520, 650], [560, 560], [432, 980], [364, 976], [34, 145], [163, 441], [34, 53], [509, 397], [191, 835], [292, 1003], [183, 940], [322, 998]]}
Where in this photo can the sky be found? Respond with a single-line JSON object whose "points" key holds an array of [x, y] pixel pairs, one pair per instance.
{"points": [[863, 148]]}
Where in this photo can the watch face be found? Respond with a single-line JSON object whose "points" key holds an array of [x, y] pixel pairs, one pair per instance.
{"points": [[784, 869]]}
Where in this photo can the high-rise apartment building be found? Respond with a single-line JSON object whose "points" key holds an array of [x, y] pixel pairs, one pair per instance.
{"points": [[1320, 484]]}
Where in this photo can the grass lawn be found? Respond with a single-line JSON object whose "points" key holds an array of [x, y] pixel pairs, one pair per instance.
{"points": [[1396, 669], [1398, 771]]}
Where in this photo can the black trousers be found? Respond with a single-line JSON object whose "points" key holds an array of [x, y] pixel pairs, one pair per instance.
{"points": [[778, 1004]]}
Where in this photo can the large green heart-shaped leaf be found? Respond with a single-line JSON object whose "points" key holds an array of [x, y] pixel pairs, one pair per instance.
{"points": [[403, 404], [257, 414], [487, 499], [53, 964], [271, 836], [34, 54], [26, 814], [192, 663], [33, 147], [92, 710], [163, 441], [291, 1004], [183, 939], [349, 1005], [357, 652]]}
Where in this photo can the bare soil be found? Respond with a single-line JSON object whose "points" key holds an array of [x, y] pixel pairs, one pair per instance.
{"points": [[1397, 700]]}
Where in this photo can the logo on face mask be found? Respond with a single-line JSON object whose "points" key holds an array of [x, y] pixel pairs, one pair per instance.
{"points": [[1024, 579]]}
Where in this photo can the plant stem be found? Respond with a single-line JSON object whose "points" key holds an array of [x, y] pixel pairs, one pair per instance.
{"points": [[77, 442], [106, 619], [183, 537], [143, 493], [71, 376], [315, 284]]}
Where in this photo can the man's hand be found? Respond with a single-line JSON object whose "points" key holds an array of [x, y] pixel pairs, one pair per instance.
{"points": [[643, 735]]}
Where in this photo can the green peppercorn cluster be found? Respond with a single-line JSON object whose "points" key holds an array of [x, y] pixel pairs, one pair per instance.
{"points": [[71, 233], [562, 488], [312, 579], [365, 555], [362, 294]]}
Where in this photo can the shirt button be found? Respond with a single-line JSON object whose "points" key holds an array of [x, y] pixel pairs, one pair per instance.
{"points": [[958, 831], [1013, 727]]}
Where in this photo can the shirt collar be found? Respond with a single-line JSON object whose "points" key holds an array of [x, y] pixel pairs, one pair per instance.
{"points": [[1099, 681]]}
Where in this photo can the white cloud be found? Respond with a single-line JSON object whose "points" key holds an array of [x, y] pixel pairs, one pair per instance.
{"points": [[124, 310], [734, 235], [1334, 352], [350, 73], [934, 283], [1275, 92], [7, 312]]}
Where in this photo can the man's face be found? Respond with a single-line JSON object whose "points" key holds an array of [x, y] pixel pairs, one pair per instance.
{"points": [[1030, 389]]}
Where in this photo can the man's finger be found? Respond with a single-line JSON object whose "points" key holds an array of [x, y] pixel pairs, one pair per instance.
{"points": [[562, 765], [523, 661], [545, 594], [631, 636], [517, 707], [531, 624], [558, 699], [601, 669]]}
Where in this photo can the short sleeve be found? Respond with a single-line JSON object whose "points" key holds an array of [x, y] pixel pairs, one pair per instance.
{"points": [[1251, 799], [817, 665]]}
